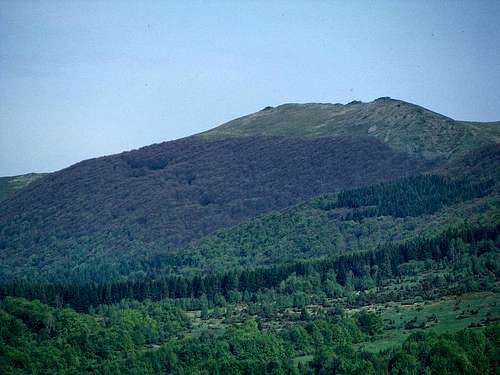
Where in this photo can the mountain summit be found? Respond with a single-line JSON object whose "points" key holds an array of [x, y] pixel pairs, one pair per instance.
{"points": [[404, 126]]}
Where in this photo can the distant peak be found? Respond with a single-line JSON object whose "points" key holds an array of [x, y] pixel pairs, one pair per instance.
{"points": [[354, 102]]}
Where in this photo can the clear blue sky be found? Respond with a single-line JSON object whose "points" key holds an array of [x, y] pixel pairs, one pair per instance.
{"points": [[85, 79]]}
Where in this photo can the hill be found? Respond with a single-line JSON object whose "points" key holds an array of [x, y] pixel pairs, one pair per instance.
{"points": [[92, 220], [404, 126], [148, 211]]}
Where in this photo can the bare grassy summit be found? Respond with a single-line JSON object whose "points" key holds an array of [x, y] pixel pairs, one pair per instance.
{"points": [[404, 126]]}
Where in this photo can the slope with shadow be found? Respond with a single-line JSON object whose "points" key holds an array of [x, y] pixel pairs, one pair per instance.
{"points": [[402, 125], [482, 162], [94, 220], [350, 221]]}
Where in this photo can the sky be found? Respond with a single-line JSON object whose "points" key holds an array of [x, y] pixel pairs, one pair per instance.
{"points": [[85, 79]]}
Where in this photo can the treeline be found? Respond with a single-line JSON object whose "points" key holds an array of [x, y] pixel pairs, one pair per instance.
{"points": [[383, 262], [412, 196]]}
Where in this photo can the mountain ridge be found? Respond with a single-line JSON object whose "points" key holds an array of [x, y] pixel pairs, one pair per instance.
{"points": [[231, 128], [402, 125]]}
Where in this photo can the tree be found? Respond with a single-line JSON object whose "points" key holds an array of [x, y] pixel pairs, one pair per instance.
{"points": [[369, 322]]}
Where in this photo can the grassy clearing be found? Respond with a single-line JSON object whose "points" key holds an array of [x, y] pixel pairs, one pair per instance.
{"points": [[448, 314]]}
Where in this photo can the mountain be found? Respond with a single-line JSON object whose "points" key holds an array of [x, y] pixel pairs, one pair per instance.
{"points": [[145, 211], [297, 240], [404, 126]]}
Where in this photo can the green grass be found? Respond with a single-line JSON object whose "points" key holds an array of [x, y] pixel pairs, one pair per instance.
{"points": [[448, 310], [402, 125]]}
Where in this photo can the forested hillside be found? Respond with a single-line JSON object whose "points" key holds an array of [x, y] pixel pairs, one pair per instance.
{"points": [[333, 315], [122, 216], [98, 215], [9, 185], [348, 221], [303, 239]]}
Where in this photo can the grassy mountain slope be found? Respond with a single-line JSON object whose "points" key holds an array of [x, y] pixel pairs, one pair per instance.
{"points": [[402, 125], [9, 185]]}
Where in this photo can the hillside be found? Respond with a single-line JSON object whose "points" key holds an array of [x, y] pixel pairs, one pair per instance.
{"points": [[402, 125], [92, 220], [482, 162], [150, 210], [9, 185], [331, 224]]}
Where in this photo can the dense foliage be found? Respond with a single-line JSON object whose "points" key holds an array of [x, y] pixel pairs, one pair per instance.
{"points": [[90, 221], [465, 352], [315, 229], [284, 319], [413, 196], [38, 339], [135, 338], [376, 265], [263, 254]]}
